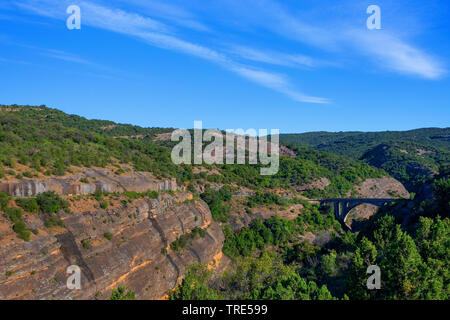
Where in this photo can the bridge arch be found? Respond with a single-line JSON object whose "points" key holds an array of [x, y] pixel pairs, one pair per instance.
{"points": [[343, 206]]}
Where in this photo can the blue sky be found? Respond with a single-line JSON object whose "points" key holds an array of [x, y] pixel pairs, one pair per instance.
{"points": [[291, 65]]}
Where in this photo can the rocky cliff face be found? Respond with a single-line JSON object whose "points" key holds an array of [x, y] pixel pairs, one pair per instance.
{"points": [[104, 180], [138, 254], [386, 187]]}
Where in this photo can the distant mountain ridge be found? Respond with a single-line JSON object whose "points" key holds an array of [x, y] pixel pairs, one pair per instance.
{"points": [[37, 141], [340, 142], [409, 156]]}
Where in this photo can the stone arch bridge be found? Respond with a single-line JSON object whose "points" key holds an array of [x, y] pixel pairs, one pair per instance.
{"points": [[343, 206]]}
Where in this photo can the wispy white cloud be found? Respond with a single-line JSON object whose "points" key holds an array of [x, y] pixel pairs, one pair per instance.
{"points": [[169, 12], [382, 46], [392, 53], [340, 39], [9, 61], [65, 56], [96, 69], [272, 57], [276, 82], [158, 34], [119, 20]]}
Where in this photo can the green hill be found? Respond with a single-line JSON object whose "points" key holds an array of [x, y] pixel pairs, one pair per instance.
{"points": [[409, 156], [49, 142]]}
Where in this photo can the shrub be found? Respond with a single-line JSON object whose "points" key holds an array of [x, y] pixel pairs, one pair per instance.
{"points": [[121, 294], [152, 194], [265, 198], [4, 200], [98, 195], [86, 244], [14, 214], [22, 232], [28, 204], [120, 171], [10, 162], [184, 241], [215, 200], [104, 204], [50, 202], [28, 174], [108, 235], [84, 180], [53, 222]]}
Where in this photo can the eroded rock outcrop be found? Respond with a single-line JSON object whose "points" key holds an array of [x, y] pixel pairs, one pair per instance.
{"points": [[104, 180], [385, 187], [138, 254]]}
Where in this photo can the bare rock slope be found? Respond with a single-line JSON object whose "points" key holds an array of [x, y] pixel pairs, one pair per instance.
{"points": [[138, 254], [100, 179]]}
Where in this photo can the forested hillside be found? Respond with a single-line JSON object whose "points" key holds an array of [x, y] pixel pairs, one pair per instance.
{"points": [[257, 237], [410, 244], [49, 142], [409, 156]]}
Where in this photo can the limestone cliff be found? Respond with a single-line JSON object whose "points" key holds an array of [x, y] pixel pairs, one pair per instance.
{"points": [[138, 254], [105, 180]]}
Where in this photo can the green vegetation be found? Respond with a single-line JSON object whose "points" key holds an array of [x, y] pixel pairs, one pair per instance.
{"points": [[121, 293], [414, 266], [69, 140], [409, 156], [308, 166], [108, 235], [441, 188], [4, 200], [215, 200], [268, 198], [104, 204], [272, 260], [22, 232], [86, 244], [63, 140], [355, 144], [195, 285], [51, 222], [9, 273], [309, 257], [14, 214], [261, 278], [50, 202], [28, 204], [185, 240], [411, 164], [276, 231], [133, 195]]}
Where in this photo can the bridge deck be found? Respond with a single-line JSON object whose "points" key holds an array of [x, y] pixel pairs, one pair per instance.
{"points": [[353, 199]]}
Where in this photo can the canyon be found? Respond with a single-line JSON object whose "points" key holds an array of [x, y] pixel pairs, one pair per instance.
{"points": [[138, 255]]}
